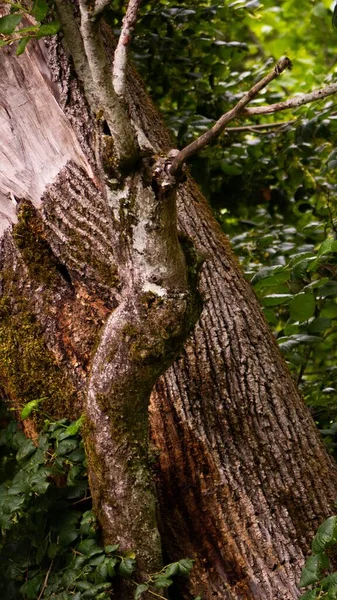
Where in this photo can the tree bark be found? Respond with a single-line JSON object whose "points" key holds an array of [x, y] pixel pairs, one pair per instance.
{"points": [[242, 476]]}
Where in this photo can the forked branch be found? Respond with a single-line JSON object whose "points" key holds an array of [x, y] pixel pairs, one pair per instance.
{"points": [[121, 52], [102, 90], [214, 132], [240, 110]]}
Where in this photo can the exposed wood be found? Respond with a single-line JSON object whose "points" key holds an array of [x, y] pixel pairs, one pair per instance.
{"points": [[36, 138], [243, 478]]}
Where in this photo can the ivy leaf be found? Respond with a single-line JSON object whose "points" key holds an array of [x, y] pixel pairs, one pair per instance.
{"points": [[89, 547], [126, 567], [140, 589], [72, 429], [312, 570], [162, 582], [94, 589], [326, 535], [111, 548], [310, 595], [25, 450], [185, 566], [49, 29], [66, 446], [9, 23]]}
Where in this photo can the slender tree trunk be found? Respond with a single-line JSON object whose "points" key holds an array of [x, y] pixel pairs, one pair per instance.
{"points": [[241, 474]]}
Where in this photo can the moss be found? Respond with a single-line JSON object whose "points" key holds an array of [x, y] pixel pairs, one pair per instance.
{"points": [[27, 368], [36, 253], [109, 158], [194, 259]]}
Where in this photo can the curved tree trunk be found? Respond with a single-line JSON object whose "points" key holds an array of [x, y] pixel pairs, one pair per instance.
{"points": [[242, 477]]}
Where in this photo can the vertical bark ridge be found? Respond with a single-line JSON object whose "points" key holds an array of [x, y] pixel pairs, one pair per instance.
{"points": [[239, 423]]}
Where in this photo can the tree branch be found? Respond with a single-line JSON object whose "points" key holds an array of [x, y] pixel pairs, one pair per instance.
{"points": [[101, 88], [260, 127], [100, 6], [120, 58], [217, 129], [295, 102]]}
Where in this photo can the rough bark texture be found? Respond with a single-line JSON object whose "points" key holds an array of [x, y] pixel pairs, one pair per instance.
{"points": [[243, 478]]}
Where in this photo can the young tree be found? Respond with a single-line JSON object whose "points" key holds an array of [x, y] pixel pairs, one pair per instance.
{"points": [[100, 312]]}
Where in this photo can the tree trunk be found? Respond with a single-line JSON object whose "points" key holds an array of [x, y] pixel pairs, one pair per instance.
{"points": [[242, 477]]}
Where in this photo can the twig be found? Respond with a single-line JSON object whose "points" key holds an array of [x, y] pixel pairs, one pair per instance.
{"points": [[81, 500], [260, 126], [101, 88], [294, 102], [217, 129], [45, 581], [120, 58]]}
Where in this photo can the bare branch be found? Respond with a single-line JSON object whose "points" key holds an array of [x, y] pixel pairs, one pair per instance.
{"points": [[120, 58], [100, 6], [217, 129], [101, 88], [295, 102], [260, 127]]}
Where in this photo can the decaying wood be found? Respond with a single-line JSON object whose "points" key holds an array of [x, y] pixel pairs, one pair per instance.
{"points": [[241, 474]]}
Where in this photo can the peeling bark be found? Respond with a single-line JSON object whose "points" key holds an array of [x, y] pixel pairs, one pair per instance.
{"points": [[242, 477]]}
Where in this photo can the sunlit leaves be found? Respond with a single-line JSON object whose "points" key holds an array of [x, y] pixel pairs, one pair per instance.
{"points": [[9, 23]]}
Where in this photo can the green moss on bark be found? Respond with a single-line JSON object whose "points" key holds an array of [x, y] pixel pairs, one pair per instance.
{"points": [[36, 253], [28, 369]]}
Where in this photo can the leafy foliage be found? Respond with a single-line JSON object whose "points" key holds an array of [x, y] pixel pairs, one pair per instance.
{"points": [[316, 569], [50, 545], [293, 271], [11, 29]]}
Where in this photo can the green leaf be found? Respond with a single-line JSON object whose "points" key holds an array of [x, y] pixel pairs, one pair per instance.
{"points": [[49, 29], [40, 9], [67, 536], [162, 582], [9, 23], [32, 405], [172, 569], [329, 245], [313, 568], [319, 325], [95, 589], [334, 17], [310, 595], [276, 299], [111, 548], [111, 567], [72, 429], [66, 446], [126, 567], [101, 573], [73, 474], [140, 589], [302, 307], [25, 450], [83, 585], [264, 273], [326, 535], [185, 566], [30, 589], [329, 581], [89, 547], [329, 310]]}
